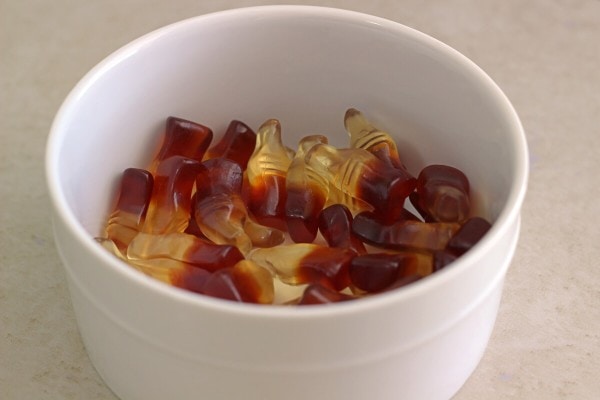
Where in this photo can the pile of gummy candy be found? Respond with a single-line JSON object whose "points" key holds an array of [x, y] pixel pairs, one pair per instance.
{"points": [[248, 217]]}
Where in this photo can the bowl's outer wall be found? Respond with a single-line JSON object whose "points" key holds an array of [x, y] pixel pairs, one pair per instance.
{"points": [[304, 66]]}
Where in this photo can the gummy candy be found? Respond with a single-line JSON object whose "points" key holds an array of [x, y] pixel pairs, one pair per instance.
{"points": [[264, 186], [306, 263], [193, 217], [443, 193], [244, 282], [182, 138], [219, 210], [169, 208], [377, 271], [363, 135], [335, 224], [237, 144], [403, 234], [183, 248], [468, 235], [319, 294], [128, 215], [358, 173], [441, 258], [307, 192]]}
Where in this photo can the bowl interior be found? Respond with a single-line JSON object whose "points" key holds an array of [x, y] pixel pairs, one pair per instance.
{"points": [[304, 66]]}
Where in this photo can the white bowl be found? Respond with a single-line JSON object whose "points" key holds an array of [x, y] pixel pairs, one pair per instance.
{"points": [[304, 66]]}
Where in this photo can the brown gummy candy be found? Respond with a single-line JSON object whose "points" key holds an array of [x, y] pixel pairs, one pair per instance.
{"points": [[363, 135], [170, 204], [254, 282], [360, 174], [237, 144], [319, 294], [244, 282], [403, 281], [302, 263], [403, 234], [182, 138], [441, 258], [376, 272], [264, 186], [306, 194], [335, 224], [219, 210], [184, 248], [129, 213], [443, 193], [468, 235]]}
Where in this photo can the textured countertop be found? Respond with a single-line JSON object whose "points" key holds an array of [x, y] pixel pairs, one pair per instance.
{"points": [[544, 54]]}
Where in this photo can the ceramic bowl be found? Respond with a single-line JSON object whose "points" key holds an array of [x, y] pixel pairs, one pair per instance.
{"points": [[304, 66]]}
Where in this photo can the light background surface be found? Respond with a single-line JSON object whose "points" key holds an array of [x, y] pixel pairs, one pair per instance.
{"points": [[544, 54]]}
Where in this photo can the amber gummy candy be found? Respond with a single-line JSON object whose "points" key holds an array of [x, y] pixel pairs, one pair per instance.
{"points": [[335, 224], [360, 174], [468, 235], [443, 193], [183, 248], [182, 138], [403, 234], [264, 186], [363, 135], [244, 282], [165, 270], [307, 192], [219, 210], [170, 204], [302, 263], [237, 144], [319, 294], [376, 272], [128, 215]]}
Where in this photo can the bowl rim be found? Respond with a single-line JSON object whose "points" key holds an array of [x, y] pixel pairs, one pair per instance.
{"points": [[508, 215]]}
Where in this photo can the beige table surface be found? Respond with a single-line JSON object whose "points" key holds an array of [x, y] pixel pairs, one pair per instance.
{"points": [[544, 54]]}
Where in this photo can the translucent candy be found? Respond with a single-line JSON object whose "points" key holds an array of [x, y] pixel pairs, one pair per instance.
{"points": [[129, 213], [403, 234], [363, 135], [468, 235], [377, 271], [263, 236], [319, 294], [193, 228], [403, 281], [374, 272], [254, 282], [358, 173], [443, 193], [169, 208], [166, 270], [244, 282], [441, 258], [335, 224], [417, 263], [306, 193], [414, 200], [220, 212], [354, 205], [182, 138], [191, 278], [303, 263], [184, 248], [237, 144], [264, 187]]}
